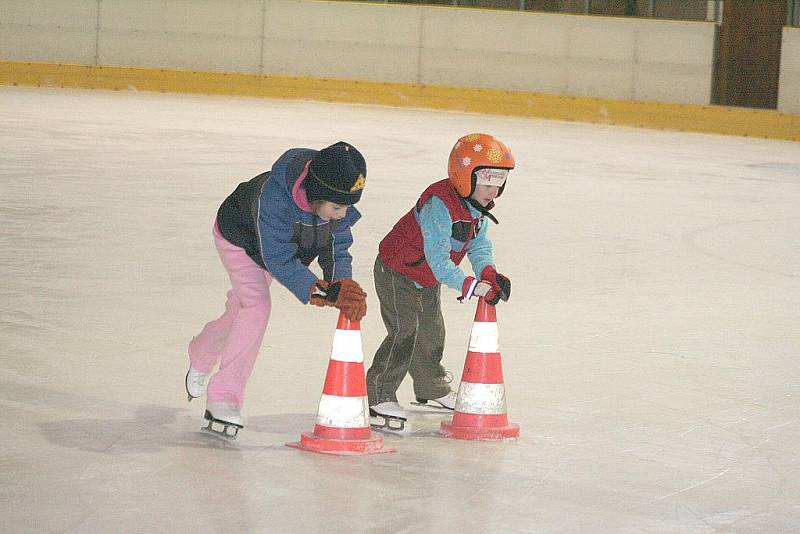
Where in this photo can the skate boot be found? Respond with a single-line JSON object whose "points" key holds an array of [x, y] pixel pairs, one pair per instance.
{"points": [[448, 402], [195, 383], [227, 415], [387, 416]]}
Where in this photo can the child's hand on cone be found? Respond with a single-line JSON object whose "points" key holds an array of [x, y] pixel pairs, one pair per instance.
{"points": [[345, 294], [500, 285]]}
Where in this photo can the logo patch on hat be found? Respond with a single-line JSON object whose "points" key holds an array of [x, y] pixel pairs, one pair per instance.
{"points": [[359, 185]]}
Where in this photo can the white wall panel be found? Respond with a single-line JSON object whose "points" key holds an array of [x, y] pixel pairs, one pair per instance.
{"points": [[567, 55], [65, 13], [680, 84], [239, 18], [602, 38], [180, 51], [53, 45], [549, 53], [684, 43], [221, 35], [542, 35], [338, 60], [602, 78], [789, 85], [338, 40], [673, 62], [487, 70], [41, 30], [521, 73], [600, 61], [496, 50], [470, 29]]}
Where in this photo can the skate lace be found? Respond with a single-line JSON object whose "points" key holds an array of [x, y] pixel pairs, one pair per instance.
{"points": [[448, 377]]}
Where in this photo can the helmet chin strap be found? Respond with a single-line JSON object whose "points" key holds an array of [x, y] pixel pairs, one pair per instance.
{"points": [[483, 209]]}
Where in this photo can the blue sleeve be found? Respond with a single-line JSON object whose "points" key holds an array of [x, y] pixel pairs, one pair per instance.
{"points": [[479, 251], [437, 227], [277, 250]]}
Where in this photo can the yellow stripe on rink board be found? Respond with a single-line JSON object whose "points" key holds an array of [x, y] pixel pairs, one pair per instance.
{"points": [[681, 117]]}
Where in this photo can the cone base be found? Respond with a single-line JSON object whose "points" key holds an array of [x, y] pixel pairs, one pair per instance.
{"points": [[313, 443], [482, 433]]}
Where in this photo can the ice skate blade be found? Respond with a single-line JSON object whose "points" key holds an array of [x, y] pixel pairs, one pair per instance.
{"points": [[221, 434], [390, 425], [229, 431]]}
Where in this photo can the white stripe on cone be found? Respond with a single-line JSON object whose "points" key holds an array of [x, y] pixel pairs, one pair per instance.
{"points": [[484, 338], [484, 399], [343, 412], [347, 346]]}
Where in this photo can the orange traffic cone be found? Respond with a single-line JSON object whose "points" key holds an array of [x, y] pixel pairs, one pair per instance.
{"points": [[480, 412], [342, 425]]}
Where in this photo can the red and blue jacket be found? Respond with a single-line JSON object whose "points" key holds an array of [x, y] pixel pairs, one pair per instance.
{"points": [[429, 242]]}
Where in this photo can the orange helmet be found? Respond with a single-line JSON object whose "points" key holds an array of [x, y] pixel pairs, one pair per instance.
{"points": [[473, 152]]}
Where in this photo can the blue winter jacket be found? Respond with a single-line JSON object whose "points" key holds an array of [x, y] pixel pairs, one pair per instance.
{"points": [[262, 217]]}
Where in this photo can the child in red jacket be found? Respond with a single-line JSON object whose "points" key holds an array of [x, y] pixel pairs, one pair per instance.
{"points": [[421, 253]]}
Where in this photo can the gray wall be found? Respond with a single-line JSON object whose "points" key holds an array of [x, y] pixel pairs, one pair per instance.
{"points": [[633, 59]]}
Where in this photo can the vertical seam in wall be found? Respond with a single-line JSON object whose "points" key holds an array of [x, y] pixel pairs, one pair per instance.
{"points": [[568, 36], [420, 43], [263, 36], [634, 70], [97, 35]]}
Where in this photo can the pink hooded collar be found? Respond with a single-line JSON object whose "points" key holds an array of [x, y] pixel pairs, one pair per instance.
{"points": [[299, 193]]}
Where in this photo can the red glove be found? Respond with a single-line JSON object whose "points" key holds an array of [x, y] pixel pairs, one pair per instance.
{"points": [[501, 285], [472, 287], [318, 293], [345, 294]]}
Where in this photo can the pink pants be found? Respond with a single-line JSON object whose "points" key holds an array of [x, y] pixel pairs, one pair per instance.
{"points": [[235, 338]]}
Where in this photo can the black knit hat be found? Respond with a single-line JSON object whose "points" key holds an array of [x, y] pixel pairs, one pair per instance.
{"points": [[337, 174]]}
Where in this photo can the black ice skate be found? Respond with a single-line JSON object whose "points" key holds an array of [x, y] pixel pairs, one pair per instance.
{"points": [[226, 416], [387, 416]]}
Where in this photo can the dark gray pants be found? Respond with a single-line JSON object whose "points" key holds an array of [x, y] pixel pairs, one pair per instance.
{"points": [[415, 339]]}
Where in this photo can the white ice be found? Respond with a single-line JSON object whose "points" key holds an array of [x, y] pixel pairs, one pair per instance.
{"points": [[651, 347]]}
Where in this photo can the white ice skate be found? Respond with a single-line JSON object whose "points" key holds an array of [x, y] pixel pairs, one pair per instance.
{"points": [[195, 383], [387, 416], [227, 415], [447, 402]]}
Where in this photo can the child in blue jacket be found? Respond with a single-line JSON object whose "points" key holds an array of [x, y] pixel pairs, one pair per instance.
{"points": [[273, 227]]}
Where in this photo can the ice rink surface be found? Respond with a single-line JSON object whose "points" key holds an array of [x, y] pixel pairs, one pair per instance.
{"points": [[651, 347]]}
